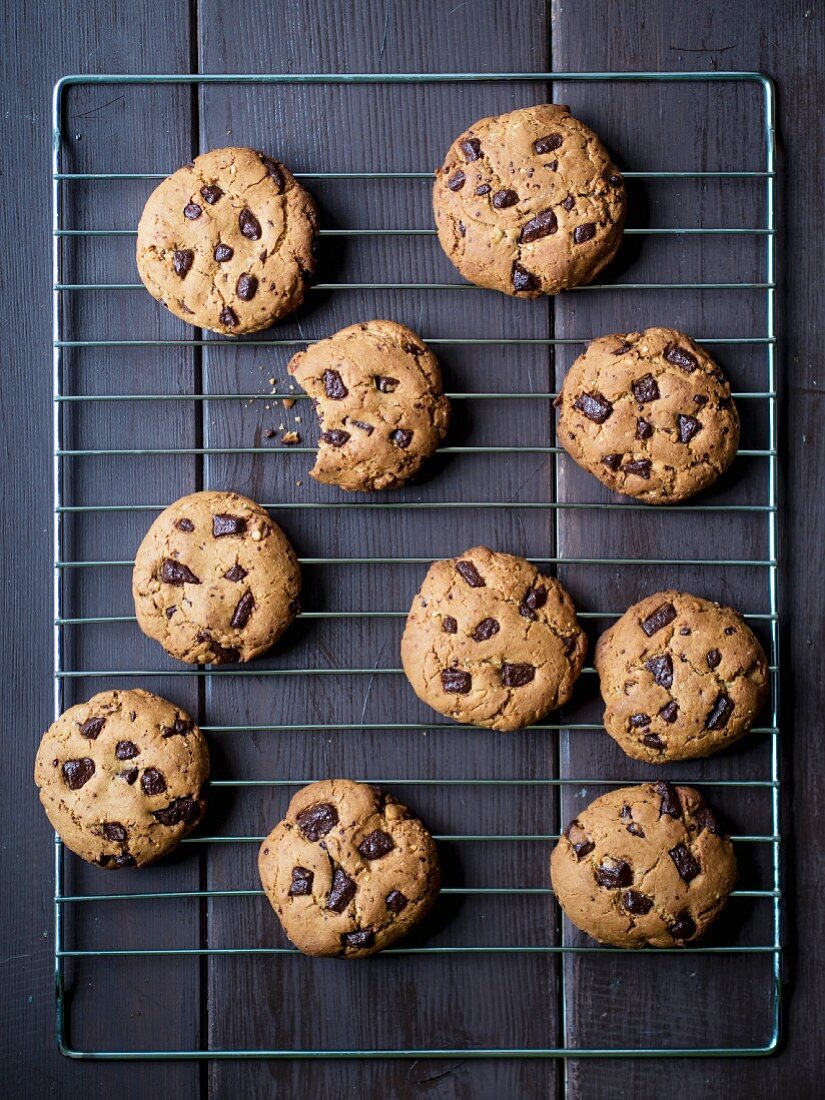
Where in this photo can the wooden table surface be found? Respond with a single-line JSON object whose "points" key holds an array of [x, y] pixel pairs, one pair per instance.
{"points": [[427, 1001]]}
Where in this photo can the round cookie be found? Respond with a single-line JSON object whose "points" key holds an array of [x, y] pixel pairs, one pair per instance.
{"points": [[376, 388], [492, 642], [529, 202], [644, 865], [121, 777], [215, 579], [348, 870], [681, 677], [649, 414], [227, 242]]}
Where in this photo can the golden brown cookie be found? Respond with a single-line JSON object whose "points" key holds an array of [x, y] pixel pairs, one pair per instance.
{"points": [[649, 414], [492, 642], [680, 677], [644, 865], [376, 388], [529, 202], [227, 242], [121, 777], [215, 579], [348, 870]]}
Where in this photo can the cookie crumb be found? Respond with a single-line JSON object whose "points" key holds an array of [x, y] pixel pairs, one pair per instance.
{"points": [[289, 439]]}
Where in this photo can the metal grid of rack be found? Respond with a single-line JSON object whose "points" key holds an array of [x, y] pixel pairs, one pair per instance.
{"points": [[66, 402]]}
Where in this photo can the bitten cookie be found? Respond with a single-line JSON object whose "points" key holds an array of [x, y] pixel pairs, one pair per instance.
{"points": [[649, 414], [348, 870], [227, 242], [492, 642], [529, 202], [376, 388], [644, 865], [215, 579], [121, 777], [680, 677]]}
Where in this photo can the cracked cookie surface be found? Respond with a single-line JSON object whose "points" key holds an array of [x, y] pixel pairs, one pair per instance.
{"points": [[349, 870], [227, 242], [376, 388], [681, 677], [644, 865], [215, 579], [491, 642], [121, 777], [649, 414], [529, 202]]}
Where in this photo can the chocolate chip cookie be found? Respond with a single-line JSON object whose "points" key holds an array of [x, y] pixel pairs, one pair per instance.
{"points": [[349, 870], [529, 202], [376, 388], [215, 579], [121, 777], [491, 642], [681, 677], [644, 865], [227, 242], [649, 414]]}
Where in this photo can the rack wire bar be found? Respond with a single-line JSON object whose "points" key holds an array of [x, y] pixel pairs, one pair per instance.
{"points": [[68, 398]]}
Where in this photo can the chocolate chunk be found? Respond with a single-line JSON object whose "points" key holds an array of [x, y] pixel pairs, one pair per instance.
{"points": [[455, 681], [654, 741], [180, 728], [638, 466], [376, 844], [670, 712], [456, 181], [317, 820], [126, 750], [368, 428], [584, 232], [662, 669], [552, 165], [246, 287], [118, 861], [670, 803], [686, 865], [228, 316], [699, 399], [211, 193], [644, 429], [113, 830], [301, 884], [626, 814], [703, 818], [645, 389], [243, 609], [548, 143], [153, 782], [130, 775], [185, 809], [665, 613], [720, 713], [396, 901], [273, 170], [514, 676], [713, 658], [342, 892], [542, 225], [470, 574], [449, 625], [92, 726], [78, 772], [336, 437], [223, 524], [185, 524], [615, 179], [688, 427], [175, 572], [485, 629], [334, 386], [471, 148], [503, 199], [613, 462], [483, 189], [192, 211], [569, 203], [729, 630], [635, 830], [613, 873], [524, 279], [413, 349], [364, 937], [636, 903], [401, 437], [683, 927], [249, 225], [220, 654], [182, 260], [223, 253], [534, 599], [639, 720], [681, 357], [684, 631], [386, 385], [580, 841], [595, 406], [236, 573]]}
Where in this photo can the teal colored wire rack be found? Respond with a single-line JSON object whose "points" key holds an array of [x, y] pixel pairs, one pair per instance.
{"points": [[65, 401]]}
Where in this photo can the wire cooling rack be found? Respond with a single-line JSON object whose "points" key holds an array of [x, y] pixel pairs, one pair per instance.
{"points": [[73, 395]]}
